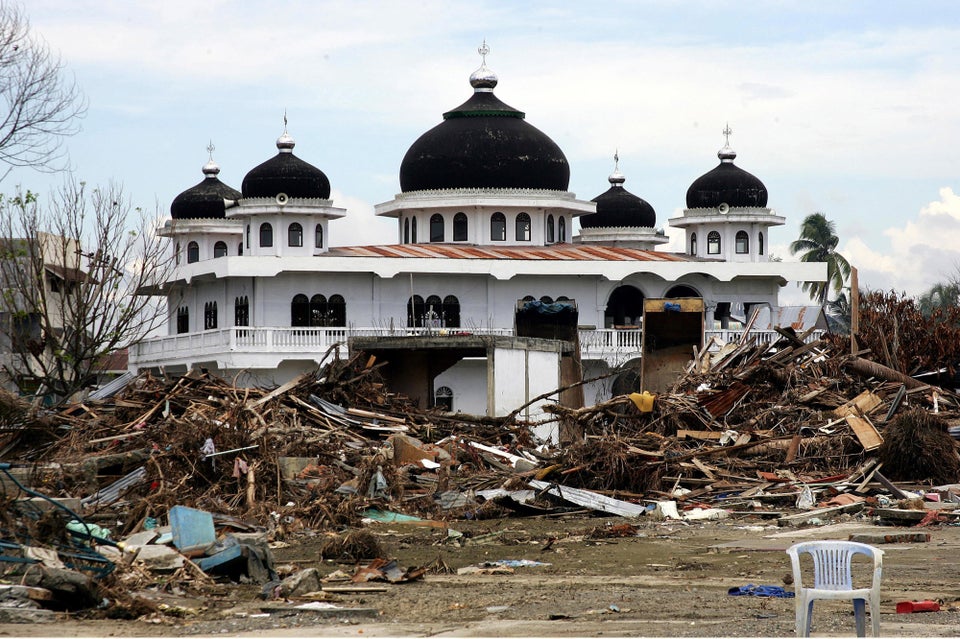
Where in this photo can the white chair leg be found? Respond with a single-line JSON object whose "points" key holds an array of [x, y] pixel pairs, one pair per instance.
{"points": [[859, 615], [804, 617], [875, 616], [801, 621]]}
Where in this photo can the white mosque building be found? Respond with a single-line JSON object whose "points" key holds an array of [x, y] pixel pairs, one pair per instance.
{"points": [[485, 224]]}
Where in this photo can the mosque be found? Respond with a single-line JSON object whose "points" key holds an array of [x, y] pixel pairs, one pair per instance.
{"points": [[485, 226]]}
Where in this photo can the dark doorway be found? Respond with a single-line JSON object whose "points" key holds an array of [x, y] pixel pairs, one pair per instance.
{"points": [[624, 308]]}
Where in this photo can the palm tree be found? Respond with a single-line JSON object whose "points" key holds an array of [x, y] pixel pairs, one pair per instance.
{"points": [[941, 295], [818, 243]]}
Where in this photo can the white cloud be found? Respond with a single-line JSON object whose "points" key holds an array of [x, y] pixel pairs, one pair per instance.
{"points": [[924, 251], [360, 226]]}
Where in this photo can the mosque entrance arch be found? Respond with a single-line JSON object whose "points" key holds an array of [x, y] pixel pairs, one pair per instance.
{"points": [[624, 307]]}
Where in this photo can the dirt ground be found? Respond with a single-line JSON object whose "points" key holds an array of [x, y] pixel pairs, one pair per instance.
{"points": [[669, 579]]}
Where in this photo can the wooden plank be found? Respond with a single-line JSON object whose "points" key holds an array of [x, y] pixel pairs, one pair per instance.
{"points": [[359, 412], [279, 390], [899, 494], [706, 470], [862, 403], [699, 434], [800, 518], [868, 435]]}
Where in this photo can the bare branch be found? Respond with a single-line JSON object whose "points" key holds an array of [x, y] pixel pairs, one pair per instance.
{"points": [[39, 105], [72, 270]]}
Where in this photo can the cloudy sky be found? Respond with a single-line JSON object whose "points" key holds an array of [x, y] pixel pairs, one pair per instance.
{"points": [[847, 108]]}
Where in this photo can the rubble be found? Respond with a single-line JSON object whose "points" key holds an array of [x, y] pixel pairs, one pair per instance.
{"points": [[195, 476]]}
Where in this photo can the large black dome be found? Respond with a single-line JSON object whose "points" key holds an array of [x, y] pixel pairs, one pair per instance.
{"points": [[286, 173], [206, 199], [484, 143], [726, 184], [618, 207]]}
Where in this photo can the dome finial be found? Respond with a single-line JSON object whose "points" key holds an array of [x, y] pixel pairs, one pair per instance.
{"points": [[726, 154], [211, 168], [616, 178], [285, 143], [483, 79]]}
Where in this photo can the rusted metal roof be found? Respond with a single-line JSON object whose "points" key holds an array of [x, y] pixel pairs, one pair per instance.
{"points": [[470, 252]]}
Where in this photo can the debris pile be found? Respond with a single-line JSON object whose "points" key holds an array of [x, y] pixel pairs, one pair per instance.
{"points": [[795, 430]]}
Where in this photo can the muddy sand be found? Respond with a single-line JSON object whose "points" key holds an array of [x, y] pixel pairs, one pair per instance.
{"points": [[668, 579]]}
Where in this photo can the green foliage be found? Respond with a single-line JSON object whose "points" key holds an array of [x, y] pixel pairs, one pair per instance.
{"points": [[818, 243], [941, 296]]}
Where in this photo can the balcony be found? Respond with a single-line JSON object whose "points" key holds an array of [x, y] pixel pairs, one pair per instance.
{"points": [[246, 346]]}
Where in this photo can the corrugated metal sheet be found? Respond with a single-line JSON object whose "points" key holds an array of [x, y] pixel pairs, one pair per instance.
{"points": [[114, 387]]}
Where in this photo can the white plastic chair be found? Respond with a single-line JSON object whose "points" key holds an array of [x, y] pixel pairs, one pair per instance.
{"points": [[833, 579]]}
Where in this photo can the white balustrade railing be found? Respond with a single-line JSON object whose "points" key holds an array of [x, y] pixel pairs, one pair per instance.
{"points": [[614, 345]]}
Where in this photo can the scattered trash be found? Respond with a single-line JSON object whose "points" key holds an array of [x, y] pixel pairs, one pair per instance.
{"points": [[906, 607], [760, 591]]}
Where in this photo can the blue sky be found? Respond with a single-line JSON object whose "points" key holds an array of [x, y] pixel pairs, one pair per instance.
{"points": [[848, 108]]}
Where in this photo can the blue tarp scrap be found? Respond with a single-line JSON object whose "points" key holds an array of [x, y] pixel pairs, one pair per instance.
{"points": [[760, 591], [536, 306]]}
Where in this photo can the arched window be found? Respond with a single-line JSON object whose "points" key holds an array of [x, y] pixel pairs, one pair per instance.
{"points": [[760, 243], [406, 231], [498, 227], [183, 320], [266, 235], [443, 399], [220, 249], [176, 253], [433, 308], [248, 236], [562, 229], [209, 315], [528, 298], [550, 232], [563, 298], [240, 248], [415, 310], [295, 235], [318, 236], [318, 310], [546, 299], [713, 243], [336, 311], [300, 310], [693, 244], [451, 312], [413, 230], [742, 242], [460, 227], [193, 252], [523, 227], [241, 311], [436, 228]]}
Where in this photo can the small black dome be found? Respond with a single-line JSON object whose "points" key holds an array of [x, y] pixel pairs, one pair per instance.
{"points": [[205, 200], [286, 173], [726, 184], [484, 143], [618, 207]]}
